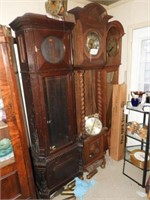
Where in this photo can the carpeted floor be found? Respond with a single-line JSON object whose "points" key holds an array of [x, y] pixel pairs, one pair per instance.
{"points": [[111, 184]]}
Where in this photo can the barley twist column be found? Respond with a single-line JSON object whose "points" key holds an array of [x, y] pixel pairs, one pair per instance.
{"points": [[82, 101], [99, 95]]}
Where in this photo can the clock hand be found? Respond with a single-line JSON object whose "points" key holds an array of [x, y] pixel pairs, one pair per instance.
{"points": [[93, 126], [110, 49]]}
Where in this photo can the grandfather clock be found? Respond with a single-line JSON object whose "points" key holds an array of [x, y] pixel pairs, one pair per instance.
{"points": [[97, 44], [89, 42], [109, 74], [45, 53]]}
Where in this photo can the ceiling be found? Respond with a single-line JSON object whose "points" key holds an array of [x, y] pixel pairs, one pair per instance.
{"points": [[105, 2]]}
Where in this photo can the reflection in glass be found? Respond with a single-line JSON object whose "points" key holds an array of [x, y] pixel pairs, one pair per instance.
{"points": [[59, 121], [110, 76], [111, 79], [6, 150], [93, 43], [53, 49]]}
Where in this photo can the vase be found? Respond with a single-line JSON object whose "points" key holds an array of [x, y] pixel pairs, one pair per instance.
{"points": [[134, 101]]}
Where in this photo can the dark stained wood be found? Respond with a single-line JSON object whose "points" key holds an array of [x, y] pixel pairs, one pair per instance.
{"points": [[114, 30], [93, 149], [16, 178], [50, 101], [30, 20], [92, 17], [110, 74], [93, 92], [88, 83]]}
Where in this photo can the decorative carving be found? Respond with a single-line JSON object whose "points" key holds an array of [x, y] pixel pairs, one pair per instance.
{"points": [[99, 94], [42, 181], [82, 100], [91, 18], [96, 10], [114, 39]]}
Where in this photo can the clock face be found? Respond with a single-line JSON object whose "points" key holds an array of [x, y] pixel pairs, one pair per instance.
{"points": [[53, 49], [112, 47], [56, 7], [93, 126], [93, 43]]}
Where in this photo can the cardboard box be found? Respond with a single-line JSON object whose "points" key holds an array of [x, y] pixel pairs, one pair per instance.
{"points": [[118, 122]]}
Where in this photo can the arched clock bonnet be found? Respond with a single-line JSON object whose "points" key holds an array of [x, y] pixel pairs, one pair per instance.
{"points": [[115, 32], [89, 35]]}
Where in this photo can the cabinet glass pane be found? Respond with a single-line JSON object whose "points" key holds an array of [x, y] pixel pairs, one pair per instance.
{"points": [[56, 92], [53, 49], [111, 80], [6, 150]]}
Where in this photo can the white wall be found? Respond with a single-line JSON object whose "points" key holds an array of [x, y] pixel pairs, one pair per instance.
{"points": [[10, 9], [131, 13]]}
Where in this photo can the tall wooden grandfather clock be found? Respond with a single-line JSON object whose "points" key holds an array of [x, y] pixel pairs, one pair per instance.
{"points": [[109, 75], [45, 53], [89, 42], [93, 41]]}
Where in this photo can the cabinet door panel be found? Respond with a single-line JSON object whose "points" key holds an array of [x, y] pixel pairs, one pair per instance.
{"points": [[93, 149], [11, 183], [58, 97], [63, 167]]}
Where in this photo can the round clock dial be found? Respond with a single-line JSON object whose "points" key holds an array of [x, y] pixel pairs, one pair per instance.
{"points": [[93, 43], [56, 7], [112, 47], [53, 49], [93, 126]]}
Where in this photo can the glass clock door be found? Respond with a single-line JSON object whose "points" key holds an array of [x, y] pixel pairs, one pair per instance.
{"points": [[58, 95]]}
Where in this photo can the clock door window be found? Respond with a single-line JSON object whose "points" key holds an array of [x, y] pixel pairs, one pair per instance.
{"points": [[59, 122], [93, 43], [53, 49], [112, 47]]}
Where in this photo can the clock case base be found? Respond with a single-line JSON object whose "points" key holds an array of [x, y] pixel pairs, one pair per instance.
{"points": [[94, 151], [53, 172]]}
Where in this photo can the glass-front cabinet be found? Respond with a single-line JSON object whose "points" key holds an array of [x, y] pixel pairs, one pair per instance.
{"points": [[6, 149], [16, 177]]}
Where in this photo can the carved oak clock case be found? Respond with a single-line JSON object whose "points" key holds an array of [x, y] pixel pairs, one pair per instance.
{"points": [[109, 74], [89, 36], [97, 56], [89, 43], [114, 43], [45, 54]]}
